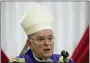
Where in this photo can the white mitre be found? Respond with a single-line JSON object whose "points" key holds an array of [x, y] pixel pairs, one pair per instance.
{"points": [[37, 19]]}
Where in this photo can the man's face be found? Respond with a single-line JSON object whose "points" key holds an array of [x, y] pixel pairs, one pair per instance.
{"points": [[42, 43]]}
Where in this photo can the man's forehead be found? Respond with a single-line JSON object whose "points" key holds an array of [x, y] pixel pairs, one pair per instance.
{"points": [[44, 32]]}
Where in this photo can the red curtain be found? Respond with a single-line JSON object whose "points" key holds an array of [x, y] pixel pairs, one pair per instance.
{"points": [[4, 58], [81, 53]]}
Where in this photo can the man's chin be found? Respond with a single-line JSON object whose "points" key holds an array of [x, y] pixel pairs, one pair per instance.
{"points": [[47, 56]]}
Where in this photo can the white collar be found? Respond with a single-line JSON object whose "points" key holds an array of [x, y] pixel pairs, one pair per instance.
{"points": [[43, 60]]}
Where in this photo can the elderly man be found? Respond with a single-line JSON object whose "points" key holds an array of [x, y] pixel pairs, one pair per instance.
{"points": [[37, 24]]}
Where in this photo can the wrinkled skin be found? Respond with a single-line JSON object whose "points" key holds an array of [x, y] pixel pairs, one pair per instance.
{"points": [[42, 43]]}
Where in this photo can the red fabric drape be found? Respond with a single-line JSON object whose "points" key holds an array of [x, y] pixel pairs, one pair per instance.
{"points": [[4, 58], [81, 53]]}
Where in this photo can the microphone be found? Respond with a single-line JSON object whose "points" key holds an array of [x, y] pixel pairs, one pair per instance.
{"points": [[64, 57], [65, 54]]}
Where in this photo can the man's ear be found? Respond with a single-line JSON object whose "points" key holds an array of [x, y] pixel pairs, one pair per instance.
{"points": [[28, 42]]}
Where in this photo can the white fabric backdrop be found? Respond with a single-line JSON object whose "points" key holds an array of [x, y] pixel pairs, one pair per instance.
{"points": [[70, 22]]}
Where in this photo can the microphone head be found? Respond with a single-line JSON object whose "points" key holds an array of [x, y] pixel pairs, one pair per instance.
{"points": [[65, 54]]}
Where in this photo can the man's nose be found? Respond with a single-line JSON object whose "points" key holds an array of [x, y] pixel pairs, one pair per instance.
{"points": [[47, 42]]}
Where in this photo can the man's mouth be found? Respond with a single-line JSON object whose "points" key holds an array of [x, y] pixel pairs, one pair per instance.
{"points": [[47, 49]]}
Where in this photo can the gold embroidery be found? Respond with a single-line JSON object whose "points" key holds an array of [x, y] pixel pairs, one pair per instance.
{"points": [[17, 60]]}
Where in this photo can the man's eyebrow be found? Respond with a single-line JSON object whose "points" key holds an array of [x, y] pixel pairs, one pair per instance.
{"points": [[43, 36], [51, 35], [40, 36]]}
